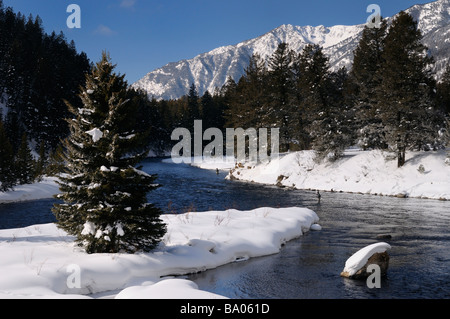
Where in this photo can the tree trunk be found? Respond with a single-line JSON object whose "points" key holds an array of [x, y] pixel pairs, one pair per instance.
{"points": [[401, 156]]}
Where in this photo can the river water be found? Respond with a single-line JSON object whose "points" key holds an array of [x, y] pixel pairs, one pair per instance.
{"points": [[309, 266]]}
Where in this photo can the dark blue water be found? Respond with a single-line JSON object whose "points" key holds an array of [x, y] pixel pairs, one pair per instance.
{"points": [[24, 214], [307, 267]]}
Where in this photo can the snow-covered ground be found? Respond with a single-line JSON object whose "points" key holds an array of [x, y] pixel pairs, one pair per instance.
{"points": [[47, 188], [425, 174], [212, 163], [42, 261]]}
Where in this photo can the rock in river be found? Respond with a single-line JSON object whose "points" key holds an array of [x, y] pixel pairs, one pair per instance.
{"points": [[356, 265]]}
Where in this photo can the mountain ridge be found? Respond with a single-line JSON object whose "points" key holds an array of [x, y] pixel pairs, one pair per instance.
{"points": [[211, 69]]}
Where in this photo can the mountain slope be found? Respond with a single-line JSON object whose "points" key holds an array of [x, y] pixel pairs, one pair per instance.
{"points": [[210, 70], [434, 22]]}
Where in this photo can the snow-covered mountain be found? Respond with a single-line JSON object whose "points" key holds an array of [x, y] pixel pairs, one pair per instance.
{"points": [[434, 22], [210, 70]]}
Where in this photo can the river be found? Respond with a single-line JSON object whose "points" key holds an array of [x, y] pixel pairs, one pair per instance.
{"points": [[307, 267]]}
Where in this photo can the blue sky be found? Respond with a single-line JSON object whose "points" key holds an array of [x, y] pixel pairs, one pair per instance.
{"points": [[142, 35]]}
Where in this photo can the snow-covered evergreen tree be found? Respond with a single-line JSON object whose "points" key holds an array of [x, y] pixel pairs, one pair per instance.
{"points": [[312, 75], [279, 104], [443, 101], [323, 108], [443, 91], [104, 194], [405, 91], [247, 106], [365, 78]]}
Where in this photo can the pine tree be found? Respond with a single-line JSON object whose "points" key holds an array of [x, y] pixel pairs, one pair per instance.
{"points": [[340, 123], [41, 163], [24, 163], [152, 118], [55, 163], [443, 91], [280, 100], [365, 78], [209, 110], [236, 111], [405, 92], [447, 140], [104, 193], [248, 108], [313, 82], [443, 102], [193, 106], [14, 129], [7, 178], [255, 93], [227, 95]]}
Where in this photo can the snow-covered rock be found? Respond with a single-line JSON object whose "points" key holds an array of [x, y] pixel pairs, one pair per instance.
{"points": [[356, 265]]}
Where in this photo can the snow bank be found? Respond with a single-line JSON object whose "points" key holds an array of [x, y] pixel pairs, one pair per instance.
{"points": [[369, 172], [42, 261], [360, 258], [47, 188], [208, 162], [167, 289]]}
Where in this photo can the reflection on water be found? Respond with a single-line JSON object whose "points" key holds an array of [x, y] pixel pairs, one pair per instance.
{"points": [[307, 267]]}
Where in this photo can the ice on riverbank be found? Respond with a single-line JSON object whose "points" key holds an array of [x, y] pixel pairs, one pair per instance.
{"points": [[42, 261], [425, 174]]}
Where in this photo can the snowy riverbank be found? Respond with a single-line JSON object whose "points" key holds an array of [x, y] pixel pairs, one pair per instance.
{"points": [[425, 174], [369, 172], [47, 188], [42, 261]]}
